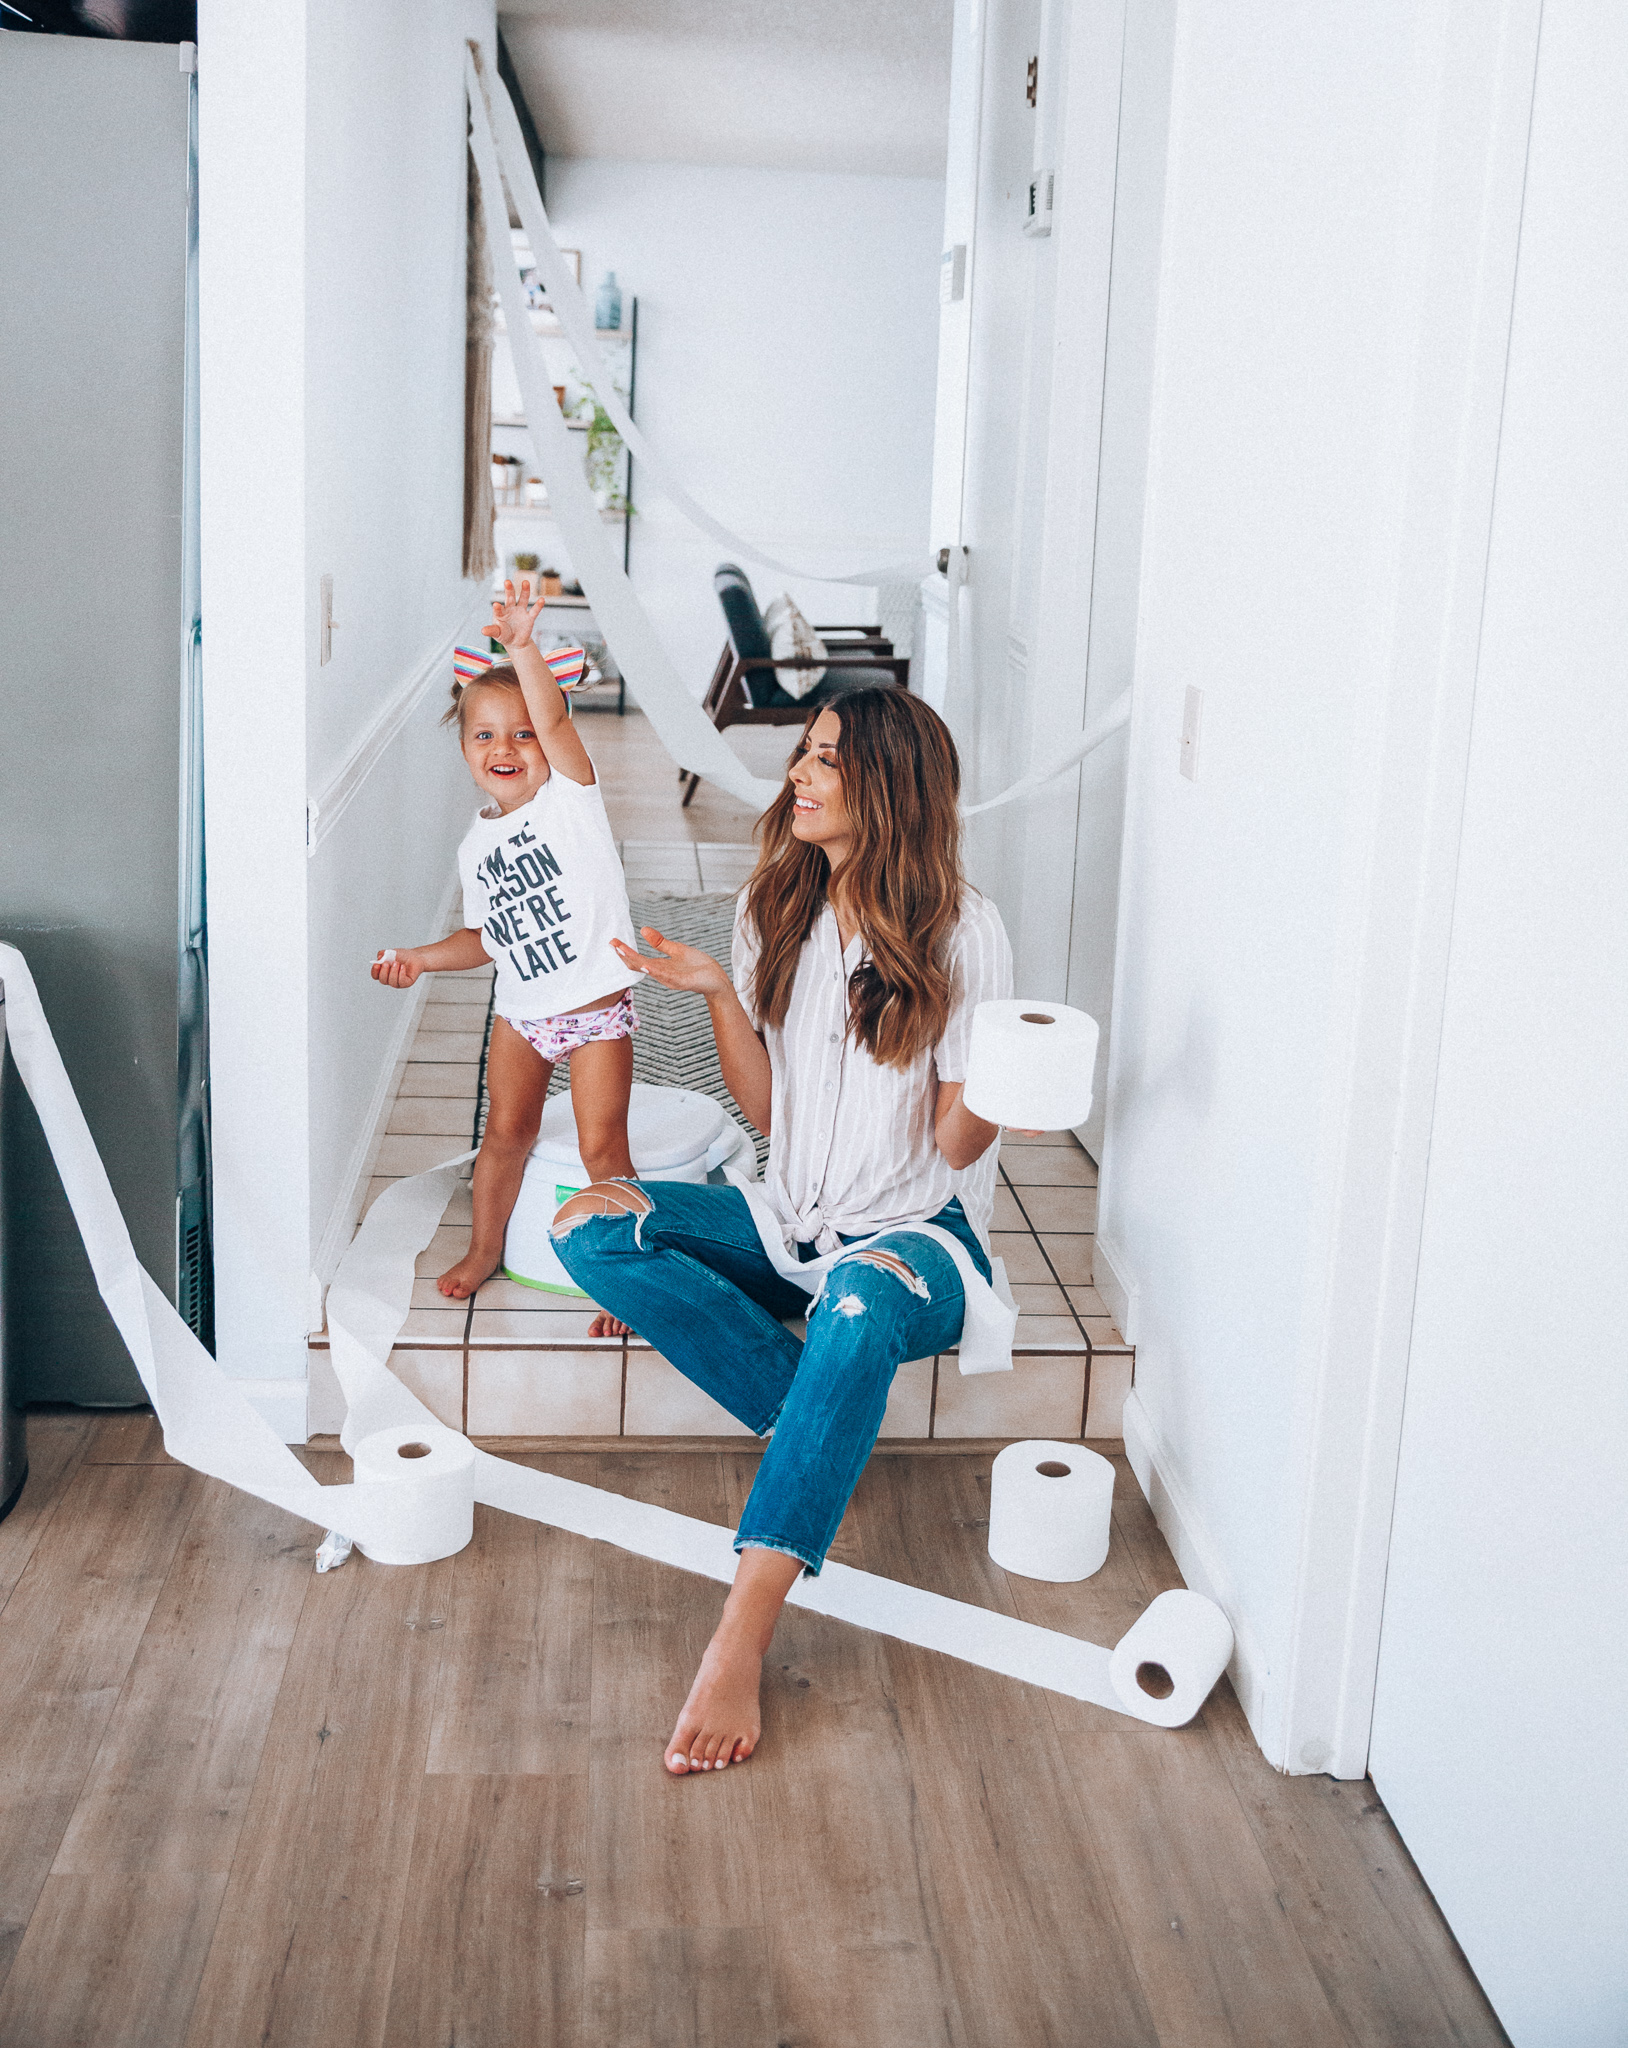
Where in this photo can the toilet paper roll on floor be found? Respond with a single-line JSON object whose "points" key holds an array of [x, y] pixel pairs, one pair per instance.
{"points": [[427, 1475], [1050, 1511], [1166, 1662], [1030, 1065]]}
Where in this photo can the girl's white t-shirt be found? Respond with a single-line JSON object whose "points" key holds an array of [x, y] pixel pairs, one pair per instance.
{"points": [[545, 888]]}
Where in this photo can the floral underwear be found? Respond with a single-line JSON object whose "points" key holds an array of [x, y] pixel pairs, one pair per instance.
{"points": [[556, 1038]]}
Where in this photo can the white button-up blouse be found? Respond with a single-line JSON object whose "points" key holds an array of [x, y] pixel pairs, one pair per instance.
{"points": [[851, 1146]]}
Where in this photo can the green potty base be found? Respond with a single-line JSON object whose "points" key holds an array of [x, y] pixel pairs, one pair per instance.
{"points": [[541, 1286], [562, 1193]]}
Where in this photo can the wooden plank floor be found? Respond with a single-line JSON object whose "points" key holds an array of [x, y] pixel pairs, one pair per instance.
{"points": [[243, 1804]]}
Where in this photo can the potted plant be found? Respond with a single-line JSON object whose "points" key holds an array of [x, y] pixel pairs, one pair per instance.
{"points": [[603, 460]]}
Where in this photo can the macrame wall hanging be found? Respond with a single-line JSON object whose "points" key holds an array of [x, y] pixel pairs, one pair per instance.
{"points": [[480, 555]]}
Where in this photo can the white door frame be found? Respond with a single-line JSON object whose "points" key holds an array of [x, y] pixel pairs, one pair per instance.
{"points": [[1058, 631], [1348, 1430]]}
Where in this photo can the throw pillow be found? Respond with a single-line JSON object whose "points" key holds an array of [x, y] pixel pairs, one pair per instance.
{"points": [[791, 634]]}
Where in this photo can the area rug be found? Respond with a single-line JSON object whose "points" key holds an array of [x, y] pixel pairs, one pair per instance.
{"points": [[673, 1046]]}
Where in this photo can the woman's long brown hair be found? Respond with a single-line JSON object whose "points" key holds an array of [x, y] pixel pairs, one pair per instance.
{"points": [[901, 883]]}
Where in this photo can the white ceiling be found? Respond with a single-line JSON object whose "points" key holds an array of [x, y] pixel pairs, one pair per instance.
{"points": [[820, 85]]}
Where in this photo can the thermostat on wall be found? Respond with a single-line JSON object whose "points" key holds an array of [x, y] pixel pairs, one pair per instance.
{"points": [[1038, 219]]}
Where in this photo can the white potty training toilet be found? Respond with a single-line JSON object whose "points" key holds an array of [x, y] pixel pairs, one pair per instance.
{"points": [[673, 1134]]}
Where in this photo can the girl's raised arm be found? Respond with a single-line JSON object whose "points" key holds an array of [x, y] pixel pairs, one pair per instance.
{"points": [[513, 618]]}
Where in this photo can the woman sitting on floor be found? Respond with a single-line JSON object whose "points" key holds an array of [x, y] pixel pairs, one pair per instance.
{"points": [[860, 954]]}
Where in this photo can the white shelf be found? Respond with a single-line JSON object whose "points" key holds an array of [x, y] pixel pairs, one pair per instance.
{"points": [[547, 512]]}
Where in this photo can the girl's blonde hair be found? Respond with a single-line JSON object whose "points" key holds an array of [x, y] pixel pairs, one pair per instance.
{"points": [[501, 676]]}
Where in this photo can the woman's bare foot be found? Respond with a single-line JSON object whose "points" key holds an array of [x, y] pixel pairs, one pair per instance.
{"points": [[460, 1281], [721, 1721], [604, 1325]]}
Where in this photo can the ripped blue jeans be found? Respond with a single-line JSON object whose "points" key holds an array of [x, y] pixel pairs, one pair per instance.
{"points": [[692, 1279]]}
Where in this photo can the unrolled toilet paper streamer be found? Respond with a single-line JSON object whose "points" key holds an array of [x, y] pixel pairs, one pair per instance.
{"points": [[680, 724], [209, 1425], [1029, 1064], [1051, 1511]]}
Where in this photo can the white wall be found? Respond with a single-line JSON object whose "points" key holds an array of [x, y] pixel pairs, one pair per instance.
{"points": [[1308, 299], [1503, 1666], [332, 294], [787, 328], [385, 325]]}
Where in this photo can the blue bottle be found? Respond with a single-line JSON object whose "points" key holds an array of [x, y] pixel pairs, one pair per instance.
{"points": [[608, 306]]}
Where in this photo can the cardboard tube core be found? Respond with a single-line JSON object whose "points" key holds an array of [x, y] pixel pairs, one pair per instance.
{"points": [[412, 1450], [1053, 1468], [1036, 1017], [1155, 1681]]}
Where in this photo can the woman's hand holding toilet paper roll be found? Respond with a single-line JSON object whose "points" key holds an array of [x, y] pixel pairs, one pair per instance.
{"points": [[1030, 1065]]}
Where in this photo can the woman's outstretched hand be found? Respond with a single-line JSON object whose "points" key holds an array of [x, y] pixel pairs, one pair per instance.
{"points": [[675, 966], [513, 617]]}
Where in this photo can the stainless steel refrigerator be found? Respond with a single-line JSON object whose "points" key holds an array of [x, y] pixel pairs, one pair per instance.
{"points": [[101, 851]]}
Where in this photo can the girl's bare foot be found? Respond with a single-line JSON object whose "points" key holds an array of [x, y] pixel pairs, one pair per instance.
{"points": [[460, 1281], [604, 1325], [721, 1722]]}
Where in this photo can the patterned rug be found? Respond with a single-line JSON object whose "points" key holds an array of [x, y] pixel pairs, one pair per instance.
{"points": [[672, 1047]]}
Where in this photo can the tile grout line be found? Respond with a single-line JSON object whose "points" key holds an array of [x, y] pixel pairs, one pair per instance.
{"points": [[1085, 1399]]}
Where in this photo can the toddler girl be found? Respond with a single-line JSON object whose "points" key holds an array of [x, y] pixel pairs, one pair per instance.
{"points": [[543, 898]]}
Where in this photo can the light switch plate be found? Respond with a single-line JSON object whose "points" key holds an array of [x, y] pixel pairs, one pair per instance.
{"points": [[1192, 713], [325, 650]]}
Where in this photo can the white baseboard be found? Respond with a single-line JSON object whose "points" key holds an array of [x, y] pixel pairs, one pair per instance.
{"points": [[1198, 1562], [282, 1403], [1112, 1278]]}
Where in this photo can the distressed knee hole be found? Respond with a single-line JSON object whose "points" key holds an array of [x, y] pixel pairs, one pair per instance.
{"points": [[885, 1262], [849, 1305], [604, 1198]]}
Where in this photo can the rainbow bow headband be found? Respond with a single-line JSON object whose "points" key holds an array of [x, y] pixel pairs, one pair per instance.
{"points": [[567, 665]]}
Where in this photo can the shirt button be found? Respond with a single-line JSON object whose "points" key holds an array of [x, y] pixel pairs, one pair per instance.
{"points": [[835, 1036]]}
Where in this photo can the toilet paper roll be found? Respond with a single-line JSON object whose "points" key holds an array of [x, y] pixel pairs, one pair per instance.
{"points": [[1050, 1507], [1030, 1065], [1165, 1663], [426, 1474]]}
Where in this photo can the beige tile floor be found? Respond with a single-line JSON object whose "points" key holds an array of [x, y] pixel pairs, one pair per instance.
{"points": [[519, 1364], [516, 1363]]}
